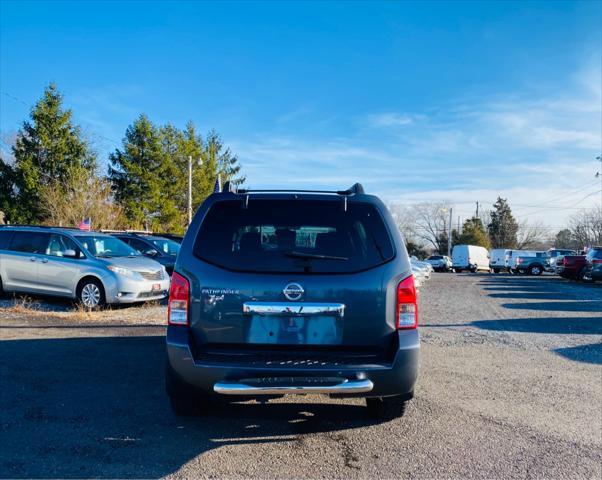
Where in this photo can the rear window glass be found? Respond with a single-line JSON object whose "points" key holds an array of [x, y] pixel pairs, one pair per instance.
{"points": [[282, 236], [435, 257], [5, 236], [29, 242]]}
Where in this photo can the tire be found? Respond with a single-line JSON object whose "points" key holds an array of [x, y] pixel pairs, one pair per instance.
{"points": [[535, 270], [580, 275], [91, 294], [496, 270], [387, 408], [185, 400]]}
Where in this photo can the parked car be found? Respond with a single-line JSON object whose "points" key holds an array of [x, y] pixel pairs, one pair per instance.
{"points": [[161, 249], [421, 271], [422, 264], [470, 257], [571, 266], [440, 263], [291, 292], [531, 264], [593, 260], [553, 255], [514, 255], [172, 236], [93, 267]]}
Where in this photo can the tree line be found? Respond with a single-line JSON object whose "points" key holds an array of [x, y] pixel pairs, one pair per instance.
{"points": [[55, 177], [426, 229]]}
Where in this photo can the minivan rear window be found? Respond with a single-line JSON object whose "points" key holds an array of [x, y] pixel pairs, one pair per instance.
{"points": [[287, 236]]}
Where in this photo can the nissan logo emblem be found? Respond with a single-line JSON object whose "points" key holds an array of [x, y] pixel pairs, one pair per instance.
{"points": [[293, 291]]}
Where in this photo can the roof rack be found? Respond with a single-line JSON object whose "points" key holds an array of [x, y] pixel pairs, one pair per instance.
{"points": [[356, 189], [37, 226], [133, 232]]}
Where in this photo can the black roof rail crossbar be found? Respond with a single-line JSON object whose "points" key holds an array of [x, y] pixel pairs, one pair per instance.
{"points": [[356, 189]]}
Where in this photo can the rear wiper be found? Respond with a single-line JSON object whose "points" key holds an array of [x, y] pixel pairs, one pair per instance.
{"points": [[294, 254]]}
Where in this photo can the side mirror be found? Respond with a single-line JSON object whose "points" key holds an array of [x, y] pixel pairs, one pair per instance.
{"points": [[70, 254], [151, 252]]}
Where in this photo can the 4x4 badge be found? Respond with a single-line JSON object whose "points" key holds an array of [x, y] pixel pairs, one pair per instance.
{"points": [[293, 292]]}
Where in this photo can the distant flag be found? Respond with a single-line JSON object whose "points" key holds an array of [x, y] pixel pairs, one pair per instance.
{"points": [[218, 184], [85, 224]]}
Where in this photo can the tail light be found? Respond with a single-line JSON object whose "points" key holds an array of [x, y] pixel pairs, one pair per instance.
{"points": [[407, 308], [179, 295], [597, 261], [518, 260]]}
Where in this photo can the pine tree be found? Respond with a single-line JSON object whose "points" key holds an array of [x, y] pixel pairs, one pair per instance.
{"points": [[49, 148], [473, 233], [503, 227], [145, 178]]}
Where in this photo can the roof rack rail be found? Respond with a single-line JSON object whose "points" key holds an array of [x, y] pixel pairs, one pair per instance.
{"points": [[37, 226], [355, 189], [133, 232]]}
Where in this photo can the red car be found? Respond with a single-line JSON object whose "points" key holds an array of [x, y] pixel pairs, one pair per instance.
{"points": [[571, 266]]}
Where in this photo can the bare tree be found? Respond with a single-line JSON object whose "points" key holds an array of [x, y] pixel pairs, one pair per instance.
{"points": [[586, 227], [425, 223], [85, 195], [530, 235]]}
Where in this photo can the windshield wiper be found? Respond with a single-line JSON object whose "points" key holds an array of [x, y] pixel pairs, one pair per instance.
{"points": [[316, 256]]}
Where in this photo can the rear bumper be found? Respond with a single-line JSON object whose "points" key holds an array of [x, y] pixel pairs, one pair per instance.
{"points": [[396, 377]]}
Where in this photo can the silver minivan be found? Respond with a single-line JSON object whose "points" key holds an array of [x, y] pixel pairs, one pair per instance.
{"points": [[92, 267]]}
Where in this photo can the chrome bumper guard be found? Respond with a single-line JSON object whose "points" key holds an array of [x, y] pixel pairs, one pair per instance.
{"points": [[241, 388]]}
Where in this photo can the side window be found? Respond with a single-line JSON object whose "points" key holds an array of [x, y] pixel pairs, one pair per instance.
{"points": [[139, 245], [58, 244], [5, 236], [29, 242]]}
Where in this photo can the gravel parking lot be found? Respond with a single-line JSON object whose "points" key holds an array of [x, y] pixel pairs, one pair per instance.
{"points": [[510, 386]]}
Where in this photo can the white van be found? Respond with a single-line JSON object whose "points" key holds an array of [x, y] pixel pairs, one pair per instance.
{"points": [[498, 259], [470, 257]]}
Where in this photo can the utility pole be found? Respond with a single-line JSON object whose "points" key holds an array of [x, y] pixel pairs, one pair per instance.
{"points": [[599, 174], [449, 234], [199, 163], [477, 209], [189, 189], [458, 225]]}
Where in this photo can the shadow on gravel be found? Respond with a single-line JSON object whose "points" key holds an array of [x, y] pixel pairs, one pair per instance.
{"points": [[532, 295], [591, 353], [553, 325], [95, 407], [558, 306]]}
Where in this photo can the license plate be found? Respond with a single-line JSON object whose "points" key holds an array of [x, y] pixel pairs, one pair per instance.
{"points": [[156, 287], [318, 330]]}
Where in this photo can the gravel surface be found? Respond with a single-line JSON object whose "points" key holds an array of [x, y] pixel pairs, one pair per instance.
{"points": [[510, 386]]}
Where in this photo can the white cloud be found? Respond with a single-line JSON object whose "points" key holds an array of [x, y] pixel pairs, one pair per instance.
{"points": [[537, 152], [389, 119]]}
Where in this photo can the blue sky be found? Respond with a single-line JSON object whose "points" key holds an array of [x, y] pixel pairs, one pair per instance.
{"points": [[419, 101]]}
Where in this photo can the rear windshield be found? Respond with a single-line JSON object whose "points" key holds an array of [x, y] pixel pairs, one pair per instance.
{"points": [[435, 257], [283, 236]]}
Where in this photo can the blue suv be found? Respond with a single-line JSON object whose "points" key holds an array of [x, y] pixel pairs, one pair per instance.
{"points": [[292, 292]]}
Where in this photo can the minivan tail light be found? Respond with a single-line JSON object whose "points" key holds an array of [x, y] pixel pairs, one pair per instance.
{"points": [[597, 261], [407, 307], [179, 295]]}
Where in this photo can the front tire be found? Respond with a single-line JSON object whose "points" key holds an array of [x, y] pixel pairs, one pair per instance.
{"points": [[91, 294], [535, 270]]}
